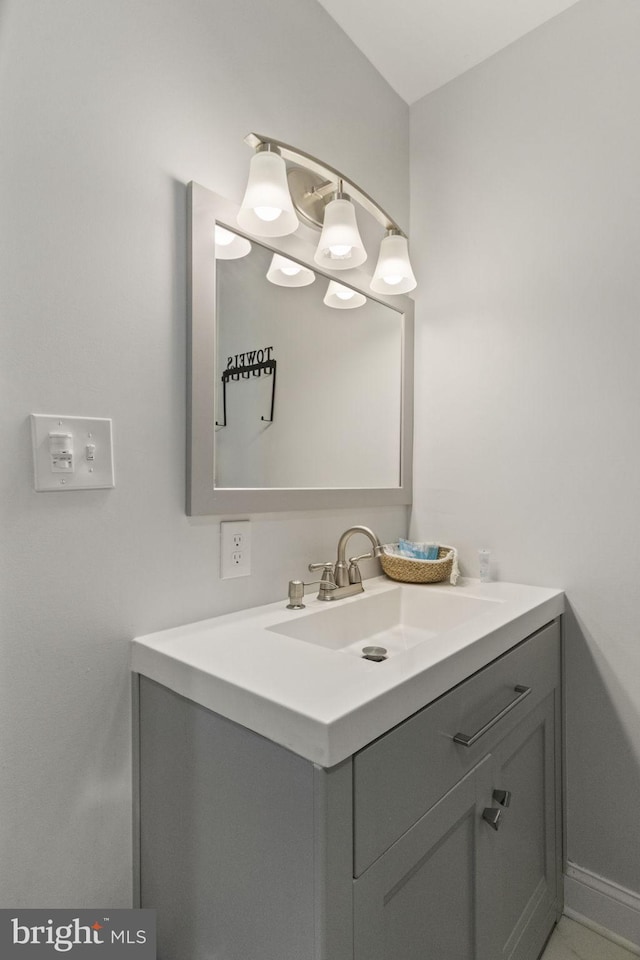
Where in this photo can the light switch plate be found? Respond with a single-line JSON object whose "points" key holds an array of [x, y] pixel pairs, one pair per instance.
{"points": [[71, 453]]}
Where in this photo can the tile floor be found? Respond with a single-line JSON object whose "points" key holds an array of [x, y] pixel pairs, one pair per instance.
{"points": [[572, 941]]}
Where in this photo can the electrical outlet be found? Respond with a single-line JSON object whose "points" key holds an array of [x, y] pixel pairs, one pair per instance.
{"points": [[235, 549]]}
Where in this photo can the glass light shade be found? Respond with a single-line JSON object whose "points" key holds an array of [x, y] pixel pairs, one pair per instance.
{"points": [[342, 298], [230, 246], [288, 273], [267, 210], [393, 273], [340, 246]]}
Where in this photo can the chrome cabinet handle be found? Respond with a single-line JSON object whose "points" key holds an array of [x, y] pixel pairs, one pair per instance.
{"points": [[492, 816], [468, 739]]}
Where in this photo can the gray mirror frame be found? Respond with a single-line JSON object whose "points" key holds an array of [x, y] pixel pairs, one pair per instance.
{"points": [[203, 498]]}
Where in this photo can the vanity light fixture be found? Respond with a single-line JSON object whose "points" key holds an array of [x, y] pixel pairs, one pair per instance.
{"points": [[230, 246], [287, 273], [340, 246], [267, 208], [393, 273], [341, 297], [285, 183]]}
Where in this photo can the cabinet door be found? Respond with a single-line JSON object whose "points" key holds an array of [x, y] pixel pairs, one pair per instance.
{"points": [[524, 848], [426, 896], [404, 773]]}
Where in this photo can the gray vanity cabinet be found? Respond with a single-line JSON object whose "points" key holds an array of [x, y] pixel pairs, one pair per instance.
{"points": [[431, 889], [249, 852], [525, 851], [470, 891]]}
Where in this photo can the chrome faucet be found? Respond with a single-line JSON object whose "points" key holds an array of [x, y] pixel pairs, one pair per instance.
{"points": [[339, 579], [344, 576]]}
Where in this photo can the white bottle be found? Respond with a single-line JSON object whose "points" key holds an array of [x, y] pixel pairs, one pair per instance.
{"points": [[484, 563]]}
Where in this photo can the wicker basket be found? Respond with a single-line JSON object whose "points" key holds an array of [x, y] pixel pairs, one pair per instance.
{"points": [[419, 571]]}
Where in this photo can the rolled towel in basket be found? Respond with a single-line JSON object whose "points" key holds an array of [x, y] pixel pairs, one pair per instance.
{"points": [[398, 566], [418, 551]]}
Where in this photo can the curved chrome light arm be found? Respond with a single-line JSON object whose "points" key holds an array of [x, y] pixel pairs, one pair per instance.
{"points": [[331, 175]]}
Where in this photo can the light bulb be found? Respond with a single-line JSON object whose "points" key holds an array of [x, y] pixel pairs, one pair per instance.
{"points": [[229, 245], [267, 213], [224, 237], [342, 298], [344, 292], [340, 246], [287, 273], [340, 250], [392, 281]]}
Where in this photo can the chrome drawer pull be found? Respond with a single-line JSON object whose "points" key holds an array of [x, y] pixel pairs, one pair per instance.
{"points": [[468, 739]]}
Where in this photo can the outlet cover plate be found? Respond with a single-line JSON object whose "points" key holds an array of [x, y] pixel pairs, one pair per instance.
{"points": [[235, 549]]}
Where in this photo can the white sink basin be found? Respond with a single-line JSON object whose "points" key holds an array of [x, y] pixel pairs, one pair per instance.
{"points": [[283, 673], [396, 620]]}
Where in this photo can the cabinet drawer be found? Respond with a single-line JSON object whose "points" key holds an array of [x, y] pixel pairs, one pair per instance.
{"points": [[400, 776]]}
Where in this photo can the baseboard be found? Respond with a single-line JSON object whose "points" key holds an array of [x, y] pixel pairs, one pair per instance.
{"points": [[609, 909]]}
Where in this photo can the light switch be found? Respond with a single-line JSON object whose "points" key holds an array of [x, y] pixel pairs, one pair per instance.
{"points": [[71, 453]]}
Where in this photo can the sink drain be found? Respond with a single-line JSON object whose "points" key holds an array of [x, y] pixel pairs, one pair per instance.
{"points": [[376, 654]]}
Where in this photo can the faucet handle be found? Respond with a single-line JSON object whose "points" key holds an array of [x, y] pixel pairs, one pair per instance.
{"points": [[354, 570], [326, 567], [327, 581]]}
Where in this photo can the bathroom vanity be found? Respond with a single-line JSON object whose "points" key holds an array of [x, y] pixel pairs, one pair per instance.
{"points": [[300, 803]]}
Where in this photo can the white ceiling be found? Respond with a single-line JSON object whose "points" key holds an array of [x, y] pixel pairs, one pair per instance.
{"points": [[418, 45]]}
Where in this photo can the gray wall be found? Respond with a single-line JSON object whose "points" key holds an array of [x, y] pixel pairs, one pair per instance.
{"points": [[107, 109], [525, 226]]}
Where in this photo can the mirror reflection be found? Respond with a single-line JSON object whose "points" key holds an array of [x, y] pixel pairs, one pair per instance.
{"points": [[308, 376]]}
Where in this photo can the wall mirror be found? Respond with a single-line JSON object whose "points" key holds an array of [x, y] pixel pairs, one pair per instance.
{"points": [[293, 403]]}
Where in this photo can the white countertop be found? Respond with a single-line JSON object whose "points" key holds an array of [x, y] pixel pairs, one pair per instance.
{"points": [[325, 704]]}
